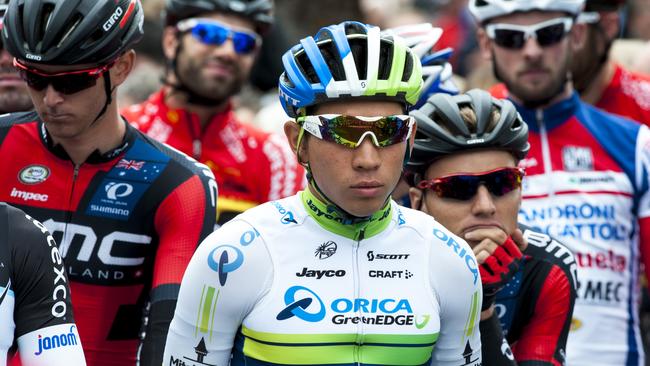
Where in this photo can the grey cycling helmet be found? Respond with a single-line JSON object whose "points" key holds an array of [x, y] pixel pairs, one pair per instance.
{"points": [[259, 11], [442, 131], [72, 32]]}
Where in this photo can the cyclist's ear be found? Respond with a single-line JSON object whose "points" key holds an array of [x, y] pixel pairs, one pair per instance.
{"points": [[123, 67], [170, 42], [296, 137], [578, 35], [484, 43], [417, 199]]}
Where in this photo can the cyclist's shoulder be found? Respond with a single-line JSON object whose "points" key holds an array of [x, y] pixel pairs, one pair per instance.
{"points": [[278, 215], [423, 224], [9, 120], [142, 114], [148, 149], [546, 249]]}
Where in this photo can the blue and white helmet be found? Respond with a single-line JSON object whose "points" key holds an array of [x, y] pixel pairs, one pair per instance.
{"points": [[349, 60], [437, 72]]}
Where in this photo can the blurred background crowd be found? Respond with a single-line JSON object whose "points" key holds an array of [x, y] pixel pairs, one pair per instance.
{"points": [[296, 19]]}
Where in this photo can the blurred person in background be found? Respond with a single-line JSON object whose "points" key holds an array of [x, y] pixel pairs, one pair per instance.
{"points": [[599, 79], [587, 172], [637, 19], [13, 91], [210, 47]]}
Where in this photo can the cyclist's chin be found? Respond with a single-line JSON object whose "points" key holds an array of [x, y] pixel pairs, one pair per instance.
{"points": [[364, 206]]}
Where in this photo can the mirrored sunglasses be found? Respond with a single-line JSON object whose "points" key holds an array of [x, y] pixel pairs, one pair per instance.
{"points": [[351, 130], [214, 33], [68, 82], [464, 186]]}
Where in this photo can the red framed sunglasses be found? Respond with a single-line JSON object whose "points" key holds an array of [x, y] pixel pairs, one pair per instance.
{"points": [[68, 82], [464, 186]]}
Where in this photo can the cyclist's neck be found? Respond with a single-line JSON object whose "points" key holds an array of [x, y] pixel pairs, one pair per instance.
{"points": [[103, 135], [565, 93], [332, 218], [599, 83], [178, 99]]}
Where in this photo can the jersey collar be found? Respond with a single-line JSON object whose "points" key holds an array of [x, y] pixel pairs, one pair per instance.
{"points": [[553, 115], [330, 220], [95, 157]]}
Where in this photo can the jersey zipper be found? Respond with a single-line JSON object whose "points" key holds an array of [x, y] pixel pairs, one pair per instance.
{"points": [[69, 210], [546, 152], [195, 131], [357, 293]]}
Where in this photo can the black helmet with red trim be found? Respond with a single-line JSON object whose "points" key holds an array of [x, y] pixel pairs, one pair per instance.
{"points": [[72, 32]]}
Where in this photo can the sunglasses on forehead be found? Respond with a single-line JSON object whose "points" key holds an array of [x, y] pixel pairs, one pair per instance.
{"points": [[464, 186], [514, 36], [350, 131], [214, 33], [68, 82]]}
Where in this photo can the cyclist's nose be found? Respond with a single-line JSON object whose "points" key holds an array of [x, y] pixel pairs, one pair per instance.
{"points": [[226, 49], [483, 202], [52, 97], [366, 155], [532, 49]]}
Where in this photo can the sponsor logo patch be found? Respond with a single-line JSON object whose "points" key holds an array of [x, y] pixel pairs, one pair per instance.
{"points": [[29, 196], [306, 305], [56, 341], [326, 250], [372, 256], [576, 158], [225, 259], [33, 174], [116, 199], [201, 351], [318, 273]]}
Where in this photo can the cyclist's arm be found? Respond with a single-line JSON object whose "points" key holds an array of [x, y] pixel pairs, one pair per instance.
{"points": [[45, 331], [543, 339], [458, 289], [182, 220], [494, 346], [228, 273], [643, 184]]}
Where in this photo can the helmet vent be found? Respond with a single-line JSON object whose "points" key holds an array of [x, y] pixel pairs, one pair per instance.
{"points": [[74, 21], [359, 50], [385, 55], [408, 69]]}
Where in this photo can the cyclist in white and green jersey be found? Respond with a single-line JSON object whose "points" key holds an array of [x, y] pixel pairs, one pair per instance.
{"points": [[337, 274]]}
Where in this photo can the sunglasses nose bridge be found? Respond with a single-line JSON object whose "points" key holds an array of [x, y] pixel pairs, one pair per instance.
{"points": [[372, 136], [482, 201]]}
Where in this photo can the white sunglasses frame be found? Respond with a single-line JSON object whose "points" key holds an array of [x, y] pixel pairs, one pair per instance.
{"points": [[311, 123], [530, 31]]}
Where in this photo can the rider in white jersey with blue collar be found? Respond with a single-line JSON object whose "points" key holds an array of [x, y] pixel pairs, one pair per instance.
{"points": [[337, 274]]}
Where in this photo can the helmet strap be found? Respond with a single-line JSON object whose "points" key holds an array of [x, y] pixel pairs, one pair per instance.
{"points": [[109, 95]]}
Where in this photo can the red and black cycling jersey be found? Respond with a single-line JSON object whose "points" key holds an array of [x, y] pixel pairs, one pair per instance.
{"points": [[127, 223], [536, 306], [35, 307]]}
